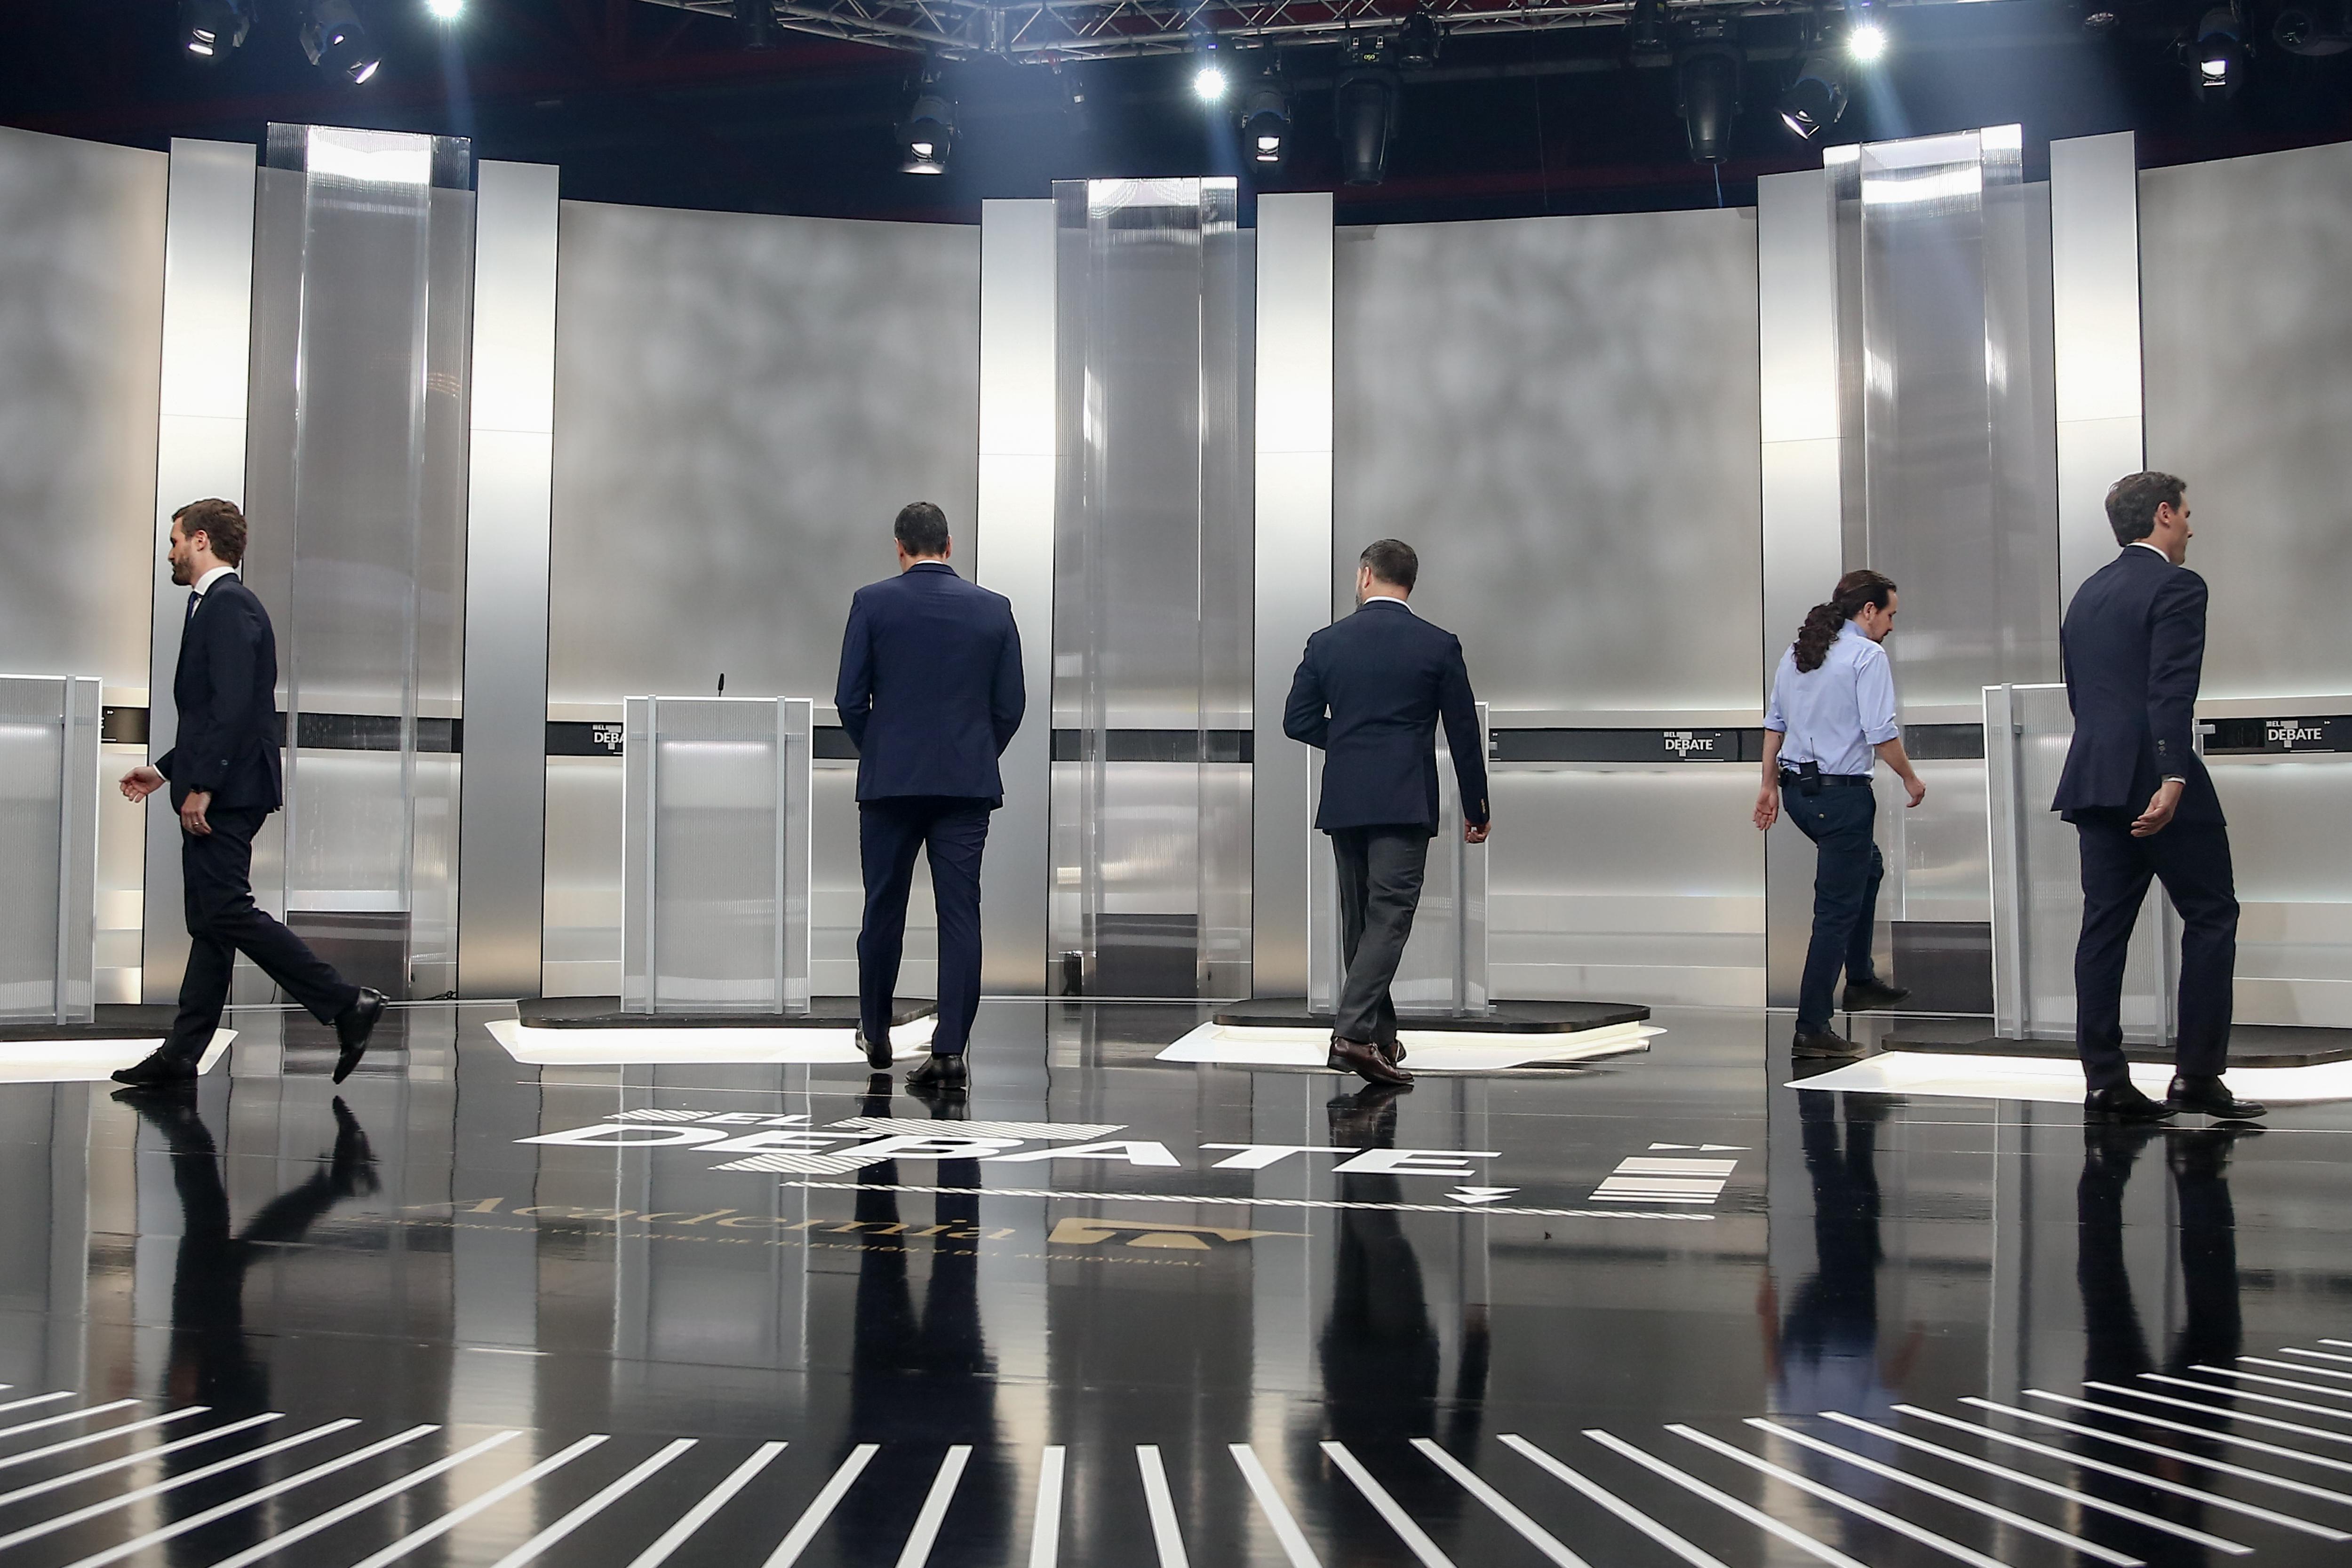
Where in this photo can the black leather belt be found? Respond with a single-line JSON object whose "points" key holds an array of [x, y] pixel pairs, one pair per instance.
{"points": [[1792, 779]]}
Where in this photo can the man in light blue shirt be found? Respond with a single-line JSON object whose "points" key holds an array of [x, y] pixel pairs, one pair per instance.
{"points": [[1832, 713]]}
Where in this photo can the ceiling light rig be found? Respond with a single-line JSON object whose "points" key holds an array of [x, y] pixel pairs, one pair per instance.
{"points": [[211, 29], [338, 45], [1266, 123], [926, 136], [2216, 59], [1707, 86]]}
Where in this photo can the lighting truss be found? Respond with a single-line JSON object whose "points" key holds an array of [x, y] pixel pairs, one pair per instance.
{"points": [[1045, 30]]}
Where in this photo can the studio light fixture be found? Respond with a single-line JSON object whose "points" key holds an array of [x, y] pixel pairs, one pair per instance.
{"points": [[211, 28], [1209, 84], [444, 10], [2318, 28], [1418, 41], [756, 21], [1266, 123], [1365, 110], [926, 136], [1649, 34], [1867, 41], [1707, 89], [1812, 102], [2217, 60], [337, 44]]}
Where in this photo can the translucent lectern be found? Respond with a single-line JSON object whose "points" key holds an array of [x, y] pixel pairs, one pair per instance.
{"points": [[715, 848], [49, 848], [1443, 973], [2037, 889]]}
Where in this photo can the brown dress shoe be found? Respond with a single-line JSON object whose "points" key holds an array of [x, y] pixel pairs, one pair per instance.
{"points": [[1364, 1059], [1392, 1051]]}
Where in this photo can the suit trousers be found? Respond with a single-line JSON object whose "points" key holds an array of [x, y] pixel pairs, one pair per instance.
{"points": [[1380, 871], [951, 831], [216, 877], [1847, 870], [2192, 862]]}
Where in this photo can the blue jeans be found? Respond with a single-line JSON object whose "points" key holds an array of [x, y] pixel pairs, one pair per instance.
{"points": [[1845, 893]]}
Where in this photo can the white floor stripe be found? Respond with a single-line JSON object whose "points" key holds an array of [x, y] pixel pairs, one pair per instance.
{"points": [[1046, 1528], [86, 1438], [2210, 1435], [427, 1534], [126, 1461], [820, 1508], [66, 1521], [1165, 1537], [1625, 1511], [1199, 1198], [2083, 1462], [1836, 1498], [1270, 1502], [595, 1505], [40, 1399], [2298, 1366], [2178, 1456], [2035, 1483], [934, 1512], [61, 1420], [1725, 1501], [2284, 1383], [2222, 1411], [202, 1517], [2338, 1344], [2225, 1392], [2315, 1355], [1503, 1507], [695, 1518], [1415, 1539], [342, 1511], [1945, 1494]]}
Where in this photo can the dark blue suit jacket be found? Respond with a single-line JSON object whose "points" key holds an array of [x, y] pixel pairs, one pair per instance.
{"points": [[2133, 643], [931, 684], [1370, 692], [226, 691]]}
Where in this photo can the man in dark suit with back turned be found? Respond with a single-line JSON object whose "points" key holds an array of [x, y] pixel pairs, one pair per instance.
{"points": [[226, 779], [1370, 693], [2138, 793], [930, 693]]}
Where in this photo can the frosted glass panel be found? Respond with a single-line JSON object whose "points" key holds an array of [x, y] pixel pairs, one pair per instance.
{"points": [[48, 846]]}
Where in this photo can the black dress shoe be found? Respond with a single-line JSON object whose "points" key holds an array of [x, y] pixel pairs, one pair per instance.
{"points": [[878, 1054], [1827, 1042], [353, 1026], [941, 1072], [2212, 1097], [1365, 1060], [157, 1072], [1862, 996], [2123, 1102]]}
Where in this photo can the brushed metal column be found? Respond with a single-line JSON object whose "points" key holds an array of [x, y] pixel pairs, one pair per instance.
{"points": [[2094, 300], [1014, 555], [1293, 560], [502, 799], [200, 452]]}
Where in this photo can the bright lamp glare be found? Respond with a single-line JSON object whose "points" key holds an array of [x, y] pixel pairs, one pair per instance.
{"points": [[366, 71], [1209, 84], [2216, 69], [1867, 42], [444, 10]]}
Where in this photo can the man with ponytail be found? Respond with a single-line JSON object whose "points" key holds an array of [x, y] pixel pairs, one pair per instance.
{"points": [[1832, 714], [2143, 806]]}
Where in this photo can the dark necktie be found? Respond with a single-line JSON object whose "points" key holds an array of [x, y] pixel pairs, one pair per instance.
{"points": [[196, 596]]}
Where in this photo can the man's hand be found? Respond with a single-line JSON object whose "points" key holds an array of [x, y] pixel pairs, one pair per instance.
{"points": [[1767, 806], [1476, 832], [192, 813], [1916, 787], [2160, 807], [141, 782]]}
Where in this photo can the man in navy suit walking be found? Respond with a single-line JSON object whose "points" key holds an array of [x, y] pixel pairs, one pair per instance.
{"points": [[930, 693], [226, 779], [1371, 693], [2143, 806]]}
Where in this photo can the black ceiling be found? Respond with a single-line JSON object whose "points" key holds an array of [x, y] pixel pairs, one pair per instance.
{"points": [[646, 104]]}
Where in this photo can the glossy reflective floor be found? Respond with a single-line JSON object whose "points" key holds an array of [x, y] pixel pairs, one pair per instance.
{"points": [[1653, 1309]]}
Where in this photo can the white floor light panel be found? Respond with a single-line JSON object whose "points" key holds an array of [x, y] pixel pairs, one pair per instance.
{"points": [[2059, 1080], [1426, 1050], [653, 1045], [88, 1060]]}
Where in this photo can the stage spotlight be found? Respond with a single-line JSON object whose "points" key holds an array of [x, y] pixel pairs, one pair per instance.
{"points": [[2314, 27], [1365, 107], [1209, 84], [211, 28], [337, 44], [1814, 100], [927, 137], [1649, 34], [444, 10], [2217, 60], [1866, 42], [1266, 123], [1706, 90], [1418, 41]]}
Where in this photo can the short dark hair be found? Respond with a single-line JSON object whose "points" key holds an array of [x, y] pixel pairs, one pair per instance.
{"points": [[1392, 561], [2133, 500], [222, 525], [922, 529]]}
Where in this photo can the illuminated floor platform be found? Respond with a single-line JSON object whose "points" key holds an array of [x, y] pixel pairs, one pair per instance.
{"points": [[590, 1030]]}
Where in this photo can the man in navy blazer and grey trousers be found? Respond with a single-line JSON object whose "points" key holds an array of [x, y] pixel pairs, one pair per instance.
{"points": [[930, 693], [2139, 798], [1371, 693]]}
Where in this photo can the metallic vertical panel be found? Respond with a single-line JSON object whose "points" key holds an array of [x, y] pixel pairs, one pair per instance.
{"points": [[714, 833], [33, 767], [78, 785], [1015, 516], [1293, 549], [2095, 292], [502, 813], [638, 804], [795, 843], [209, 275], [2005, 838]]}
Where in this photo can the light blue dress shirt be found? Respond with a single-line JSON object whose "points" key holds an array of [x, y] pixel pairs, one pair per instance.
{"points": [[1835, 713]]}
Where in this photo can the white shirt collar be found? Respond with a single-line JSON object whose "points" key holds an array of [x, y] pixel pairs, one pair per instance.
{"points": [[2143, 544], [204, 584], [1388, 599]]}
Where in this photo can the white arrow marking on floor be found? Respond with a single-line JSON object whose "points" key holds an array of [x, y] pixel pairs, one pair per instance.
{"points": [[1481, 1194], [1703, 1148]]}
